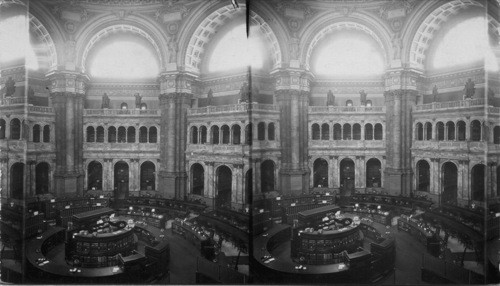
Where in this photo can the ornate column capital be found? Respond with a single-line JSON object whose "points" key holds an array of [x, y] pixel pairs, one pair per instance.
{"points": [[292, 79], [402, 78], [68, 82], [177, 82]]}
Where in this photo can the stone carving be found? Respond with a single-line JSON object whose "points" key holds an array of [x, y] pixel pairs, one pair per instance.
{"points": [[469, 89], [245, 93], [210, 96], [294, 49], [138, 100], [396, 46], [10, 87], [172, 49], [435, 93], [105, 101], [362, 97], [70, 51], [330, 98]]}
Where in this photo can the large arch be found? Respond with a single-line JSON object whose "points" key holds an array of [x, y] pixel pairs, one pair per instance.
{"points": [[320, 170], [148, 176], [42, 172], [17, 181], [449, 182], [121, 179], [267, 177], [224, 181], [94, 176], [373, 173], [478, 182], [423, 176], [197, 179]]}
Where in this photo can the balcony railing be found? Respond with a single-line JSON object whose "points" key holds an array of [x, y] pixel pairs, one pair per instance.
{"points": [[122, 112], [346, 109], [347, 143], [41, 109], [12, 101], [454, 104], [454, 145], [234, 108]]}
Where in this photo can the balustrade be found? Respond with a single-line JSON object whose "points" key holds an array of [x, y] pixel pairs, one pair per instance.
{"points": [[243, 107], [119, 112], [12, 101], [454, 104], [346, 109]]}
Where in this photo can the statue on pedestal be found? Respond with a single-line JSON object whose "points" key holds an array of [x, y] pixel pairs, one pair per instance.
{"points": [[330, 98], [245, 93], [138, 99], [469, 89], [435, 93], [105, 101], [10, 87], [362, 97], [210, 96]]}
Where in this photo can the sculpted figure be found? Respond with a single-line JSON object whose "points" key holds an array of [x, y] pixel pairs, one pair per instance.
{"points": [[105, 101], [435, 93], [244, 93], [210, 96], [362, 97], [469, 89], [10, 87], [138, 99], [330, 98]]}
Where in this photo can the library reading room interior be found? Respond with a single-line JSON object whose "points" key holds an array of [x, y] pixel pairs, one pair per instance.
{"points": [[258, 141]]}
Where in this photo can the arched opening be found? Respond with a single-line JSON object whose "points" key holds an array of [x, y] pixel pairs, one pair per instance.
{"points": [[325, 131], [148, 176], [112, 134], [478, 182], [368, 132], [270, 132], [261, 131], [423, 176], [94, 176], [121, 180], [225, 134], [451, 130], [15, 129], [124, 105], [36, 133], [90, 134], [267, 176], [347, 132], [17, 181], [373, 173], [428, 131], [320, 177], [337, 132], [144, 106], [420, 132], [197, 179], [46, 134], [203, 134], [348, 103], [356, 132], [440, 131], [461, 131], [475, 130], [122, 134], [224, 187], [2, 129], [215, 134], [347, 175], [42, 178], [496, 135], [99, 134], [236, 134], [249, 134], [449, 181], [315, 131], [153, 134], [378, 132], [131, 134], [194, 135], [369, 103], [248, 186], [143, 134]]}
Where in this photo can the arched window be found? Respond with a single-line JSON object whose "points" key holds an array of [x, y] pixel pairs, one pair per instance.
{"points": [[122, 134], [42, 178], [36, 133], [496, 135], [236, 134], [440, 131], [478, 182], [99, 134], [378, 132], [348, 103], [2, 129], [131, 134], [194, 135], [17, 181], [347, 132], [368, 131], [124, 105], [451, 130], [203, 134], [249, 134], [368, 103], [153, 134], [94, 176], [215, 134], [143, 134], [270, 132], [148, 171], [320, 169], [461, 131], [267, 176], [420, 132], [337, 132], [225, 134], [46, 133], [144, 106], [90, 134], [373, 174], [475, 130], [15, 129], [197, 179], [112, 134], [325, 131], [356, 131], [423, 176], [261, 131], [428, 131], [315, 131]]}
